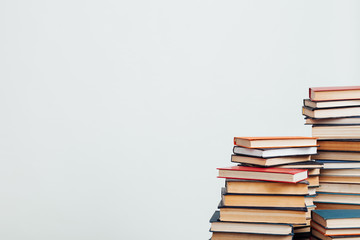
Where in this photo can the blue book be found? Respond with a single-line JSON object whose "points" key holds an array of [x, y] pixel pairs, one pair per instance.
{"points": [[338, 218]]}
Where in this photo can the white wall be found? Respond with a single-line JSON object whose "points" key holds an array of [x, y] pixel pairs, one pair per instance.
{"points": [[115, 114]]}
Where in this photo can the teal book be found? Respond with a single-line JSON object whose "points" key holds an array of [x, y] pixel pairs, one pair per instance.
{"points": [[338, 218]]}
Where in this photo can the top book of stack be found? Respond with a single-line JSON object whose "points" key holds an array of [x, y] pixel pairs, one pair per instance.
{"points": [[318, 94], [274, 142]]}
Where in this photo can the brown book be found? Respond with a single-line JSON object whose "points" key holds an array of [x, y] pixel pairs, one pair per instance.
{"points": [[331, 104], [268, 162], [336, 132], [248, 236], [335, 232], [339, 188], [331, 155], [341, 172], [344, 198], [332, 121], [259, 187], [331, 112], [262, 215], [340, 145], [275, 142], [339, 179], [263, 201], [313, 181], [330, 206], [334, 93]]}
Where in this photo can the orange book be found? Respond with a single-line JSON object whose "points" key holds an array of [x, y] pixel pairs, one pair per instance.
{"points": [[275, 142], [334, 93]]}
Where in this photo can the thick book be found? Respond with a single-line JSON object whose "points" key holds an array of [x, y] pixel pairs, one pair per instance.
{"points": [[265, 174], [352, 145], [334, 232], [264, 201], [275, 142], [333, 121], [337, 155], [268, 162], [330, 206], [248, 236], [274, 152], [339, 188], [316, 235], [338, 164], [336, 132], [331, 104], [308, 165], [331, 112], [232, 214], [339, 218], [339, 179], [248, 227], [345, 198], [334, 93], [264, 187]]}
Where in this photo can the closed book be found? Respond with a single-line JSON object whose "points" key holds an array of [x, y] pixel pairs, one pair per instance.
{"points": [[329, 206], [265, 174], [355, 172], [339, 179], [317, 235], [274, 142], [345, 198], [274, 152], [336, 132], [334, 232], [339, 164], [339, 218], [337, 155], [232, 214], [352, 145], [334, 93], [308, 165], [331, 112], [264, 187], [339, 188], [333, 121], [248, 236], [248, 227], [268, 162], [331, 104]]}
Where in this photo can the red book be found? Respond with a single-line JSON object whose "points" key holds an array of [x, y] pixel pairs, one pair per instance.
{"points": [[334, 93], [263, 174]]}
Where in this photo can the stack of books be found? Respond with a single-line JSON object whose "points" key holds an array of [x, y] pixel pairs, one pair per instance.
{"points": [[335, 224], [261, 200], [334, 113]]}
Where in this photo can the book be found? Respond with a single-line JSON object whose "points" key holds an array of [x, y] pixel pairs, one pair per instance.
{"points": [[339, 218], [314, 181], [339, 179], [263, 187], [275, 142], [335, 232], [339, 188], [268, 162], [352, 145], [353, 172], [333, 121], [262, 215], [274, 152], [335, 155], [331, 112], [265, 174], [247, 227], [316, 235], [331, 104], [248, 236], [338, 164], [265, 201], [334, 93], [328, 206], [336, 132], [311, 165], [346, 198]]}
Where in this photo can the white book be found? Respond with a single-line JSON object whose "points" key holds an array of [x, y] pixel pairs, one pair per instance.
{"points": [[274, 152]]}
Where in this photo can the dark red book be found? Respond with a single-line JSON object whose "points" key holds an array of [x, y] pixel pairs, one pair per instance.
{"points": [[334, 93], [264, 174]]}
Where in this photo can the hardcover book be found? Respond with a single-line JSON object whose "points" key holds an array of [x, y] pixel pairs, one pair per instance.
{"points": [[339, 218], [274, 152], [265, 174], [274, 142], [334, 93]]}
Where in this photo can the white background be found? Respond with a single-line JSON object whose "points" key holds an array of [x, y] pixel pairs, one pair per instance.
{"points": [[115, 114]]}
